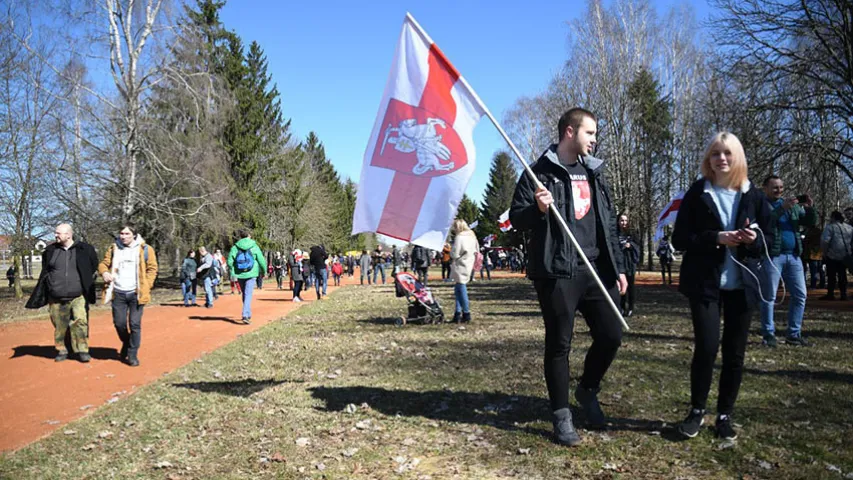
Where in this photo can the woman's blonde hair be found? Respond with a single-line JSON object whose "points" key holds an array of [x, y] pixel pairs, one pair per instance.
{"points": [[459, 226], [738, 163]]}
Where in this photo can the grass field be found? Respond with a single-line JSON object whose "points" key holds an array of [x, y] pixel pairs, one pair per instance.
{"points": [[335, 390]]}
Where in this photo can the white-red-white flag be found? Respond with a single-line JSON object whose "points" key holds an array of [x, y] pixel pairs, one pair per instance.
{"points": [[420, 155], [488, 239], [503, 222], [667, 216]]}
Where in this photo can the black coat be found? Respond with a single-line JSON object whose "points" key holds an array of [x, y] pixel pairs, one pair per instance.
{"points": [[550, 252], [630, 256], [87, 266], [696, 228]]}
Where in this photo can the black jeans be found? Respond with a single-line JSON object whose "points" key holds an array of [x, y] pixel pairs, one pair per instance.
{"points": [[630, 295], [445, 270], [297, 288], [127, 318], [559, 299], [664, 268], [422, 275], [837, 274], [706, 329]]}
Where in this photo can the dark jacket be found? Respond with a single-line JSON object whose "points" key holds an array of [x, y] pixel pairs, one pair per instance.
{"points": [[798, 215], [318, 258], [295, 268], [550, 252], [420, 257], [630, 256], [188, 269], [87, 265], [696, 228]]}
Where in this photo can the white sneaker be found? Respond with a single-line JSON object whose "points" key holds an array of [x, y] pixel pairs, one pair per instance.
{"points": [[297, 299]]}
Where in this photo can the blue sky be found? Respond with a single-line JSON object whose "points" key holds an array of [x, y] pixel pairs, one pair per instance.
{"points": [[331, 60]]}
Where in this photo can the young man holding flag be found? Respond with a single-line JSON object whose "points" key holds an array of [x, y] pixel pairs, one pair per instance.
{"points": [[574, 182]]}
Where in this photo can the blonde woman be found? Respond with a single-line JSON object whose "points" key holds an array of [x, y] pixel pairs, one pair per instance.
{"points": [[462, 255], [713, 229]]}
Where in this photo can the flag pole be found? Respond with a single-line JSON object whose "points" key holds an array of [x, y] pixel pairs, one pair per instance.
{"points": [[532, 176]]}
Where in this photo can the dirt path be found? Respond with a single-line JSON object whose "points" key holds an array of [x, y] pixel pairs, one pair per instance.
{"points": [[40, 395]]}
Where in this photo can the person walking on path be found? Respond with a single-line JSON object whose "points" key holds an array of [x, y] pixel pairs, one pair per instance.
{"points": [[188, 279], [67, 285], [378, 264], [420, 263], [318, 258], [575, 184], [785, 248], [129, 269], [247, 263], [836, 242], [278, 269], [631, 254], [364, 263], [665, 256], [206, 273], [295, 266], [462, 252], [713, 229]]}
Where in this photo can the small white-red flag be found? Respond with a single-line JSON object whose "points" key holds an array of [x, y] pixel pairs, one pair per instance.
{"points": [[503, 222], [420, 155], [667, 216]]}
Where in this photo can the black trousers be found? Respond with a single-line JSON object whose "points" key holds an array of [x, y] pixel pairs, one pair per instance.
{"points": [[837, 274], [706, 329], [297, 288], [445, 270], [422, 275], [127, 319], [559, 299], [630, 295], [664, 268]]}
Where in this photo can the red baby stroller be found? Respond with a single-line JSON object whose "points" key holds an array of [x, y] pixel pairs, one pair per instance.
{"points": [[423, 306]]}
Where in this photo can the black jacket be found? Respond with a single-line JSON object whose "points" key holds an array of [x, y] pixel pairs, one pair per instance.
{"points": [[630, 256], [550, 252], [318, 257], [696, 228], [87, 266]]}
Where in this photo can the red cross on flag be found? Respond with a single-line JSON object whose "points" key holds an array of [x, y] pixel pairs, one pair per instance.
{"points": [[420, 155], [503, 222]]}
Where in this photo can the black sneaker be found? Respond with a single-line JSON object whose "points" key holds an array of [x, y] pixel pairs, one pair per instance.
{"points": [[564, 430], [61, 357], [691, 425], [724, 428], [84, 357], [797, 341], [247, 321], [588, 399], [769, 341]]}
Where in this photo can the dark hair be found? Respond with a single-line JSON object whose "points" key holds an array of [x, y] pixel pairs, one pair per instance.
{"points": [[573, 118], [770, 177], [128, 226], [836, 216], [243, 233], [190, 252]]}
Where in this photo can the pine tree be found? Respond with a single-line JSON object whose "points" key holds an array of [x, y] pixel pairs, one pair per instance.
{"points": [[499, 191], [651, 115], [468, 210]]}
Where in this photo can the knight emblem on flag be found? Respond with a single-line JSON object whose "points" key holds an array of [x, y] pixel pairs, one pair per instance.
{"points": [[423, 143]]}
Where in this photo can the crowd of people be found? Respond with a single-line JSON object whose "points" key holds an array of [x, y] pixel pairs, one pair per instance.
{"points": [[737, 241]]}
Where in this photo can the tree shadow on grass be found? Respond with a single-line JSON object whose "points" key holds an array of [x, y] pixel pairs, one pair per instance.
{"points": [[499, 410], [49, 351], [239, 388]]}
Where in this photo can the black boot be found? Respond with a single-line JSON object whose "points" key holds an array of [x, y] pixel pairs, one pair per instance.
{"points": [[456, 317], [466, 317]]}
